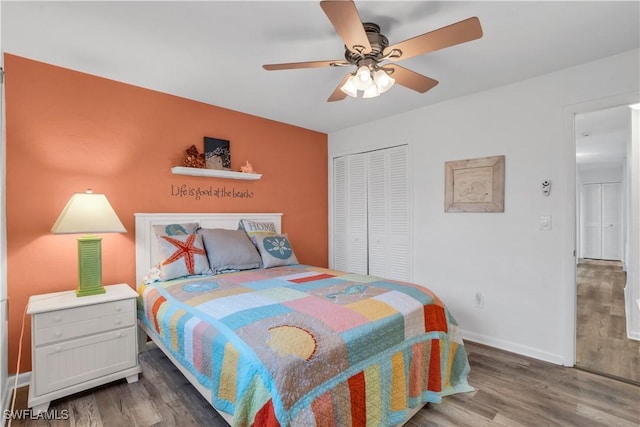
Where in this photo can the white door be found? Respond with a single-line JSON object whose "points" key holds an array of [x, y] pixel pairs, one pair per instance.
{"points": [[611, 219], [389, 236], [591, 222], [601, 221], [371, 213], [350, 251]]}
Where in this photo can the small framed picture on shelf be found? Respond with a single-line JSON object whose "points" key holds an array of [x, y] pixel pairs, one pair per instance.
{"points": [[217, 154]]}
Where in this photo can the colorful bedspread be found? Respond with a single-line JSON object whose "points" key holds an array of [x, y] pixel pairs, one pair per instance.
{"points": [[306, 346]]}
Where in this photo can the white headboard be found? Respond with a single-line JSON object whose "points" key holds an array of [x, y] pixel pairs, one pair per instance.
{"points": [[147, 248]]}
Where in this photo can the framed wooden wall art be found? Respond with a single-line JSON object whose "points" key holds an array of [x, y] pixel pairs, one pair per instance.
{"points": [[474, 185]]}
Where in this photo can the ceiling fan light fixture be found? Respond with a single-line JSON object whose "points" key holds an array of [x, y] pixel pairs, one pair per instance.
{"points": [[363, 78], [367, 48], [363, 74], [349, 87], [364, 86], [383, 80], [371, 92]]}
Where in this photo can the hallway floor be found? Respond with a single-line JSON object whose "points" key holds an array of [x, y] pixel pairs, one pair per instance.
{"points": [[602, 345]]}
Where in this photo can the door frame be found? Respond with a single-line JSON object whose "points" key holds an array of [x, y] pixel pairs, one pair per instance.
{"points": [[569, 239]]}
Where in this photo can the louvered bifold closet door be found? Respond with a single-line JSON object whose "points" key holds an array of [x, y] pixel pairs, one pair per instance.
{"points": [[340, 213], [388, 213], [350, 214]]}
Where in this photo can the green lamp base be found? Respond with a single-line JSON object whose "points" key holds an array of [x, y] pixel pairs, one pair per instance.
{"points": [[89, 266]]}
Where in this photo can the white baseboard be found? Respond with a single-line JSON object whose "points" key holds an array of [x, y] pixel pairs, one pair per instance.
{"points": [[513, 347], [23, 380], [633, 335]]}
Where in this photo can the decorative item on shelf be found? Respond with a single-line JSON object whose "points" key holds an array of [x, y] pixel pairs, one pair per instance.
{"points": [[216, 153], [193, 159], [88, 213], [247, 168]]}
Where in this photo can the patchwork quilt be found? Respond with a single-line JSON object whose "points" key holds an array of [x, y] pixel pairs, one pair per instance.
{"points": [[306, 346]]}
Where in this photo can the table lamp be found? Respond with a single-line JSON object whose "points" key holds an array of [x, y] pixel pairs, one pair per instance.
{"points": [[88, 213]]}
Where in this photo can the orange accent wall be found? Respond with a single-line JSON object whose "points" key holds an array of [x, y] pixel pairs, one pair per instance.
{"points": [[67, 131]]}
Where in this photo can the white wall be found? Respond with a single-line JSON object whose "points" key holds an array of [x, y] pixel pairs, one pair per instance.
{"points": [[522, 271], [595, 175], [632, 290]]}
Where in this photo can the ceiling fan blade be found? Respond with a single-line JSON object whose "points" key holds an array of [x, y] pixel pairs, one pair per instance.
{"points": [[337, 94], [346, 20], [310, 64], [411, 79], [451, 35]]}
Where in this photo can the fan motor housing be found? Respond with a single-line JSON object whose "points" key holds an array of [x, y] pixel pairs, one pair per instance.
{"points": [[377, 41]]}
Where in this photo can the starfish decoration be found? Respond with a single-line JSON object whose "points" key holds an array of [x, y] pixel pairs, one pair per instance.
{"points": [[185, 250]]}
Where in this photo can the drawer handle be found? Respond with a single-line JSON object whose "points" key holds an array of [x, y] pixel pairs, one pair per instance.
{"points": [[118, 308], [58, 334], [57, 318], [118, 321], [118, 334]]}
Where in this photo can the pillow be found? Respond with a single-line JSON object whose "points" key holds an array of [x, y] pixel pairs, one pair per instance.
{"points": [[229, 250], [175, 229], [182, 256], [154, 275], [252, 227], [275, 249]]}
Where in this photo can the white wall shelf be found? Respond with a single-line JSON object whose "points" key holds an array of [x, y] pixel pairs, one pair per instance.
{"points": [[214, 173]]}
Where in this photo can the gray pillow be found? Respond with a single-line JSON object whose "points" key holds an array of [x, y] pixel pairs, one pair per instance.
{"points": [[229, 250]]}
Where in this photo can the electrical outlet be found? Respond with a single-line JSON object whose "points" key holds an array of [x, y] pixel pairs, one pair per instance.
{"points": [[479, 300]]}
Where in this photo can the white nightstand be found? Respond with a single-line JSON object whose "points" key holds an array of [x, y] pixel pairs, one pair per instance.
{"points": [[81, 342]]}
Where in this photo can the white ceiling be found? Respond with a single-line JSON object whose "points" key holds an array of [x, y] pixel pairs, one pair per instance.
{"points": [[602, 137], [212, 51]]}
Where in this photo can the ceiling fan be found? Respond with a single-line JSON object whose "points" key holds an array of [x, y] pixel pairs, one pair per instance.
{"points": [[368, 49]]}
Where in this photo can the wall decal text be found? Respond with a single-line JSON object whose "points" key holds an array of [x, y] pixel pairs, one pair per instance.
{"points": [[210, 192]]}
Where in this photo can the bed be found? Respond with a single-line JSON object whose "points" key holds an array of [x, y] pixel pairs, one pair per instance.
{"points": [[292, 344]]}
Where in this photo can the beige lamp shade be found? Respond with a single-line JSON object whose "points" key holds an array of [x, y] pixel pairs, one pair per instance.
{"points": [[88, 213]]}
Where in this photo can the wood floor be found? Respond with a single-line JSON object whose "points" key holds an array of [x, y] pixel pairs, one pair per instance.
{"points": [[601, 338], [511, 390]]}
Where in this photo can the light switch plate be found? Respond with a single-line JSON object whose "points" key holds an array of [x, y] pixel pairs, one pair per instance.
{"points": [[545, 222]]}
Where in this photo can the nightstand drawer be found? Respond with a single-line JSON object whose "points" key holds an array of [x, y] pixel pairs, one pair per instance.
{"points": [[81, 342], [79, 329], [82, 314], [72, 362]]}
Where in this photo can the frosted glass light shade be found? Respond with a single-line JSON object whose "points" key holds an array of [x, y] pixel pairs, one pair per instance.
{"points": [[349, 87], [371, 92], [383, 81], [363, 78], [88, 213], [363, 74]]}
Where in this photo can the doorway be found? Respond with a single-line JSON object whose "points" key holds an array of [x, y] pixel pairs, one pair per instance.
{"points": [[602, 144]]}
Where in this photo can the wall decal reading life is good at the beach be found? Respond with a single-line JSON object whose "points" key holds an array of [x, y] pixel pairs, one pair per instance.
{"points": [[210, 192]]}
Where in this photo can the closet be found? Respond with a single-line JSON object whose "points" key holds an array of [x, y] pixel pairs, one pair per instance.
{"points": [[371, 213], [601, 210]]}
